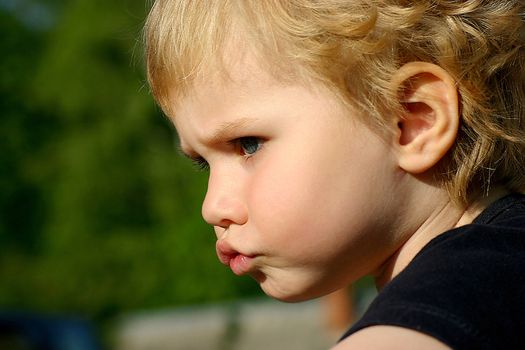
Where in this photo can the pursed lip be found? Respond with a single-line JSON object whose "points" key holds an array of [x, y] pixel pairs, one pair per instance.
{"points": [[239, 263]]}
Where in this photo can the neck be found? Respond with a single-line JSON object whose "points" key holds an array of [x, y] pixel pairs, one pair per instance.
{"points": [[441, 218]]}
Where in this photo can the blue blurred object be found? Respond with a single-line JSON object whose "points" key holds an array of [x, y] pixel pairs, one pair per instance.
{"points": [[24, 331]]}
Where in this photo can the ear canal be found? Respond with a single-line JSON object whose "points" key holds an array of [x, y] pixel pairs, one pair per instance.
{"points": [[411, 126]]}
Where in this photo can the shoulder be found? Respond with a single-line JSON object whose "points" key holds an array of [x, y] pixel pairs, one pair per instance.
{"points": [[390, 338]]}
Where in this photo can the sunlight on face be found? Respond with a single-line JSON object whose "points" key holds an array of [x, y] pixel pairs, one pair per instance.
{"points": [[297, 184]]}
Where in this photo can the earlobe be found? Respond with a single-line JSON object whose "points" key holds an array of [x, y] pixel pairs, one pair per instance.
{"points": [[428, 126]]}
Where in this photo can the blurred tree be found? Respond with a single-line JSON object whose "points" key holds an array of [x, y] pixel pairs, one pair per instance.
{"points": [[99, 214]]}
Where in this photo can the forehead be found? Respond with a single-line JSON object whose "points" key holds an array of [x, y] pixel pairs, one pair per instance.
{"points": [[229, 81], [245, 98], [225, 98]]}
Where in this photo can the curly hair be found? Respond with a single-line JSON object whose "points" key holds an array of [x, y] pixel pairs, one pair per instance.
{"points": [[354, 47]]}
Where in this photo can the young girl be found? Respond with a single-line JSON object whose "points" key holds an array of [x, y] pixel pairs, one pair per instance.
{"points": [[349, 137]]}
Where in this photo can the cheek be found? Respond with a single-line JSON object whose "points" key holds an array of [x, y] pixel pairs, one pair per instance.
{"points": [[323, 204], [296, 211], [315, 190], [283, 193]]}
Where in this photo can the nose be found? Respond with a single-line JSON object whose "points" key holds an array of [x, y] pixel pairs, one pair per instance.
{"points": [[223, 204]]}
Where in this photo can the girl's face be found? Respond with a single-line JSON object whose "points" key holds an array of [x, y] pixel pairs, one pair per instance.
{"points": [[302, 196]]}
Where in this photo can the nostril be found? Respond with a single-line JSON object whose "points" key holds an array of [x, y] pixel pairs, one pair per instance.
{"points": [[225, 223]]}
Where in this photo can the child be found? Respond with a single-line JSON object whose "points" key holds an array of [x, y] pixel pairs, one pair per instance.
{"points": [[352, 137]]}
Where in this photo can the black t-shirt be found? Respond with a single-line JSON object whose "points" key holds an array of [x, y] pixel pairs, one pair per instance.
{"points": [[466, 287]]}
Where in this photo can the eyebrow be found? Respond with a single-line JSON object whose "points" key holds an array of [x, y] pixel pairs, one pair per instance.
{"points": [[224, 131], [229, 129]]}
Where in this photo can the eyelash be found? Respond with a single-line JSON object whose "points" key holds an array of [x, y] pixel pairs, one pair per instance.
{"points": [[202, 165]]}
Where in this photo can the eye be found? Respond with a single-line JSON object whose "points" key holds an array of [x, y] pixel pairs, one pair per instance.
{"points": [[200, 163], [250, 144]]}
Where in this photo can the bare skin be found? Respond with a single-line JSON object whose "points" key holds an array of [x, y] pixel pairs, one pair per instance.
{"points": [[297, 183]]}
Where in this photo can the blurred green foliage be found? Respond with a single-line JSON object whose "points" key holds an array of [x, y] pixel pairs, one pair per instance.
{"points": [[98, 212]]}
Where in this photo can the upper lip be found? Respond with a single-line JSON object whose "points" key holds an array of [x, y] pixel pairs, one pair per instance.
{"points": [[226, 252]]}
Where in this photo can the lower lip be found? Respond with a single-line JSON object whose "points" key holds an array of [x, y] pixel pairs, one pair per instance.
{"points": [[241, 264]]}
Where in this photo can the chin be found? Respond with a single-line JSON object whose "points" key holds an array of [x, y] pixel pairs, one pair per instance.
{"points": [[288, 295]]}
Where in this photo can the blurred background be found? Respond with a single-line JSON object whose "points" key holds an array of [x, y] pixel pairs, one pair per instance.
{"points": [[99, 215]]}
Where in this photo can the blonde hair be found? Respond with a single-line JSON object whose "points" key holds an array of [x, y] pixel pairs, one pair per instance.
{"points": [[354, 47]]}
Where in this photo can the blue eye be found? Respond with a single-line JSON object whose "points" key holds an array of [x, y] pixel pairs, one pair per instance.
{"points": [[249, 145]]}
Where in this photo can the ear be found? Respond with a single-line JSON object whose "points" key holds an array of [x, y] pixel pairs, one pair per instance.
{"points": [[428, 126]]}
